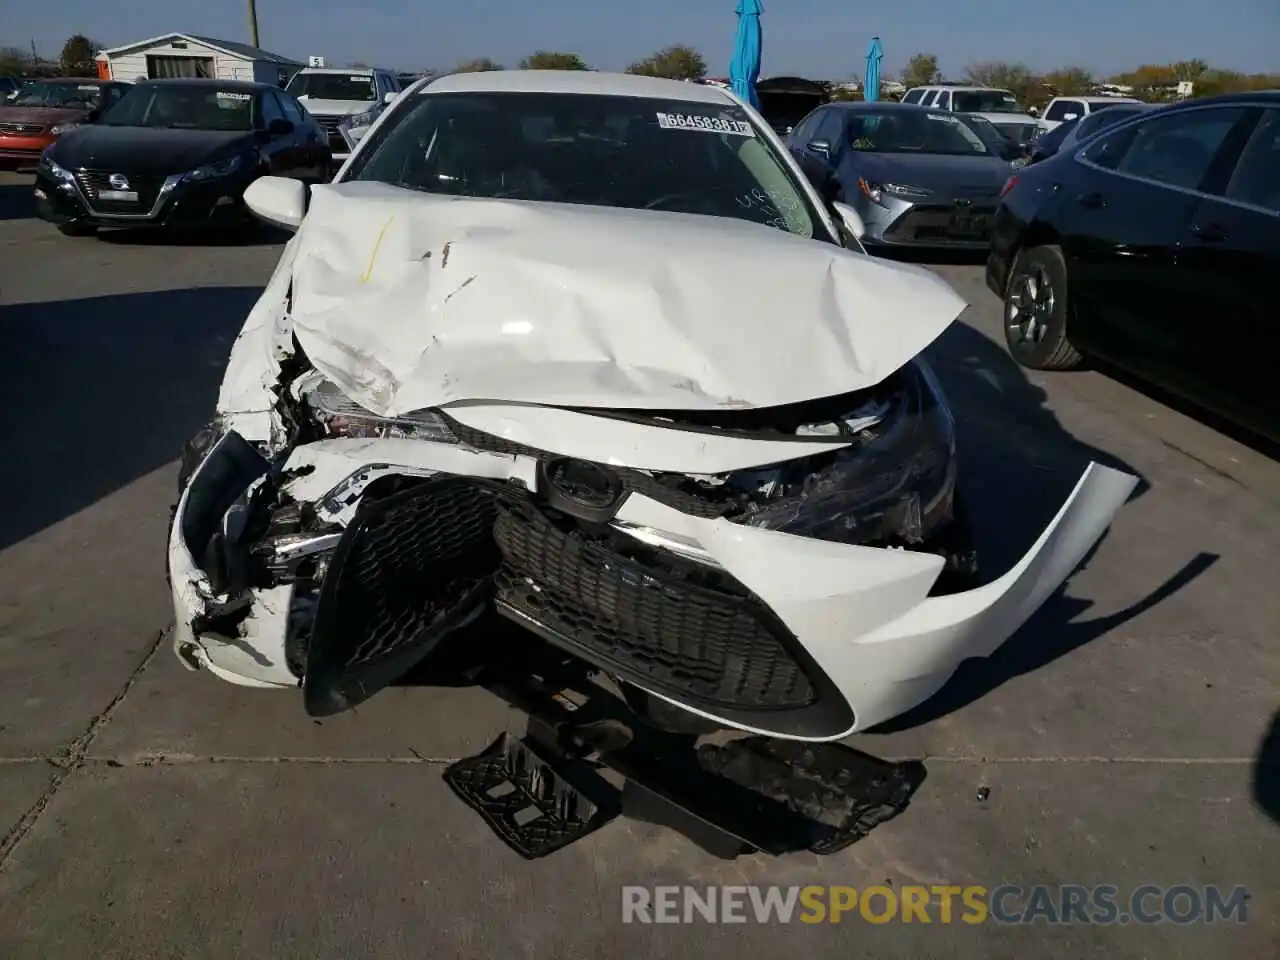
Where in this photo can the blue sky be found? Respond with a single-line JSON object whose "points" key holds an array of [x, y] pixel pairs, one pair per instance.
{"points": [[816, 38]]}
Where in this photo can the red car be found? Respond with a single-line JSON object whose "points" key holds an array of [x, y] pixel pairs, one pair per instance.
{"points": [[44, 110]]}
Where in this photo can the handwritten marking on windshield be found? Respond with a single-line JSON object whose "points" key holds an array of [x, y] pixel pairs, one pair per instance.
{"points": [[373, 254]]}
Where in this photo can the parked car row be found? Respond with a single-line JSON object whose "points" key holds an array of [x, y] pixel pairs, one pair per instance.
{"points": [[919, 177], [163, 153], [1146, 236], [177, 153], [1153, 244]]}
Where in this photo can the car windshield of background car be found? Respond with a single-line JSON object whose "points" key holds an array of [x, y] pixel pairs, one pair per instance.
{"points": [[911, 131], [333, 86], [183, 108], [599, 150], [985, 101], [58, 95]]}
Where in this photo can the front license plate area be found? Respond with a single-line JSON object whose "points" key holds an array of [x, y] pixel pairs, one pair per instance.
{"points": [[119, 196]]}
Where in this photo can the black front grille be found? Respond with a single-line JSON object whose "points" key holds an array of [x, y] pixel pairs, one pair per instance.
{"points": [[331, 124], [146, 186], [416, 563], [407, 566], [678, 627], [943, 224], [1019, 133], [21, 128]]}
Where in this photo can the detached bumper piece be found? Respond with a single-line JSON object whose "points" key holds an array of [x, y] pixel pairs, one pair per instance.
{"points": [[753, 795]]}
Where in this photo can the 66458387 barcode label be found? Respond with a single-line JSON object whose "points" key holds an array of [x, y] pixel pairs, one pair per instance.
{"points": [[693, 121]]}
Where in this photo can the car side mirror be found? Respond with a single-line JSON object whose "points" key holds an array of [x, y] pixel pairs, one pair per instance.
{"points": [[850, 218], [821, 146], [279, 201], [279, 127], [389, 96]]}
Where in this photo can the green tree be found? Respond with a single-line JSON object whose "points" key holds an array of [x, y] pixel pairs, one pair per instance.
{"points": [[478, 65], [1017, 78], [921, 70], [549, 60], [1069, 82], [678, 63], [77, 56], [1191, 70], [13, 61]]}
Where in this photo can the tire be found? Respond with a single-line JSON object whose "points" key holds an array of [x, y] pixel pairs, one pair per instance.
{"points": [[1036, 311], [77, 230]]}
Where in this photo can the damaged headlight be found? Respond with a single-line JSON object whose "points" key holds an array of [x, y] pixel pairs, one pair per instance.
{"points": [[895, 484], [338, 416]]}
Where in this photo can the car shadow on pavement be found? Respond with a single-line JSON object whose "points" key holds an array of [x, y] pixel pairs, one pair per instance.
{"points": [[253, 236], [99, 392], [17, 202], [1266, 772], [1017, 467]]}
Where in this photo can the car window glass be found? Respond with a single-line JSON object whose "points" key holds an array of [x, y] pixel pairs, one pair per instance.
{"points": [[803, 132], [928, 98], [913, 96], [1060, 109], [606, 151], [1177, 150], [831, 128], [1256, 179], [944, 100], [270, 108]]}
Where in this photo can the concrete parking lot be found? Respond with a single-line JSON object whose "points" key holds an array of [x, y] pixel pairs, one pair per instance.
{"points": [[1126, 736]]}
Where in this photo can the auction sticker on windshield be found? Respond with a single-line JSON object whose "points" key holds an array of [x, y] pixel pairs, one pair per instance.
{"points": [[225, 95], [693, 121]]}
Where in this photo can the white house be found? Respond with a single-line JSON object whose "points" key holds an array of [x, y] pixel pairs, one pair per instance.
{"points": [[185, 55]]}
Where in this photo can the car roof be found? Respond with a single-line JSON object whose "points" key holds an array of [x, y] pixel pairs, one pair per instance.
{"points": [[354, 71], [244, 86], [1098, 99], [963, 88], [856, 106], [577, 81]]}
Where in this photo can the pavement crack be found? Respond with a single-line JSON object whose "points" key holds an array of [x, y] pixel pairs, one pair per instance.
{"points": [[74, 757]]}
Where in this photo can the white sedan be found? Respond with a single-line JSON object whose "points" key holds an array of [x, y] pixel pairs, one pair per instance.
{"points": [[589, 350]]}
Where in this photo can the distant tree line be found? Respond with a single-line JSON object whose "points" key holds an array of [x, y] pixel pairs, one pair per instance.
{"points": [[1035, 88], [75, 60]]}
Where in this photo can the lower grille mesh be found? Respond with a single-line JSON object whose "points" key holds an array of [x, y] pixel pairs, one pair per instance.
{"points": [[688, 630], [412, 564]]}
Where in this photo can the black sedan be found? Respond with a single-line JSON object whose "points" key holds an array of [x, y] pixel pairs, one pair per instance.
{"points": [[1154, 247], [178, 153]]}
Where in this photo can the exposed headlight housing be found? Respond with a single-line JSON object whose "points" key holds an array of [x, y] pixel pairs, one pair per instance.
{"points": [[58, 129], [212, 171], [896, 484], [339, 416]]}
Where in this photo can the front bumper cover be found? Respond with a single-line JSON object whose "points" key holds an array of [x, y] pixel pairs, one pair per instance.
{"points": [[856, 637]]}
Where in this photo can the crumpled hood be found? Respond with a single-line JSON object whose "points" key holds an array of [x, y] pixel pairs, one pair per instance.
{"points": [[407, 300]]}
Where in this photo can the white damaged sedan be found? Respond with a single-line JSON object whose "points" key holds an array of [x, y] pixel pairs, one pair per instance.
{"points": [[588, 350]]}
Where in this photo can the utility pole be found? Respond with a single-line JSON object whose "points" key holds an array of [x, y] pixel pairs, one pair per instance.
{"points": [[35, 57], [253, 22]]}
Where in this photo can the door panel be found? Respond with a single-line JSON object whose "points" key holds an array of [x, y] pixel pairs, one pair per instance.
{"points": [[1123, 217], [1119, 239], [1229, 257]]}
